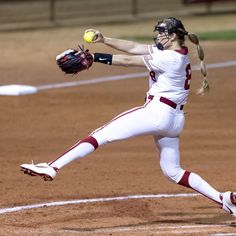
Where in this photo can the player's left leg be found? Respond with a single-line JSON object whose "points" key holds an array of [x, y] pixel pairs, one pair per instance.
{"points": [[170, 165]]}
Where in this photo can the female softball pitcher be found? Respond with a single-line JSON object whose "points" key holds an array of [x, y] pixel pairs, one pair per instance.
{"points": [[161, 115]]}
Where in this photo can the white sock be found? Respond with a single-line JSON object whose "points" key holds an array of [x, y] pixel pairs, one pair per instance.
{"points": [[201, 186], [198, 184], [78, 151]]}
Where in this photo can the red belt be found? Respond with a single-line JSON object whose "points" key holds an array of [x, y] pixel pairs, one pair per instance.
{"points": [[167, 102]]}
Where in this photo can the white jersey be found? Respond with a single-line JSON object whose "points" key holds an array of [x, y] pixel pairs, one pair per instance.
{"points": [[170, 73]]}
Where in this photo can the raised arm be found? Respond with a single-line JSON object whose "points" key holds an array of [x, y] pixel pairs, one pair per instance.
{"points": [[120, 44], [126, 46]]}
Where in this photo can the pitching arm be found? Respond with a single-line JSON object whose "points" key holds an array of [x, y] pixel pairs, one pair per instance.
{"points": [[119, 44], [126, 46]]}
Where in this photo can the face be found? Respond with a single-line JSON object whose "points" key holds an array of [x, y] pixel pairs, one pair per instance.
{"points": [[162, 35]]}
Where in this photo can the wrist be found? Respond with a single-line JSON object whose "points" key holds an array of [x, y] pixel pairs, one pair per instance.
{"points": [[106, 40], [103, 58]]}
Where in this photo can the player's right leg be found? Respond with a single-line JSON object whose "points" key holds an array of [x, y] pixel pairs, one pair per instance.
{"points": [[122, 127], [48, 171]]}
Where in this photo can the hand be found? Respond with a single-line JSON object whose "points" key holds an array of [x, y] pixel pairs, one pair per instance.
{"points": [[98, 37], [74, 61]]}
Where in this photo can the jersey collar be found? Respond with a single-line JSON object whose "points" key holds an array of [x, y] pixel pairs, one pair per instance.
{"points": [[183, 50]]}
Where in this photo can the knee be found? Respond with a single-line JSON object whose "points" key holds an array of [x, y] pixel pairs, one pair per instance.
{"points": [[173, 174]]}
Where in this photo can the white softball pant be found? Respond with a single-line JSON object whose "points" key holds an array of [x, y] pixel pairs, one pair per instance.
{"points": [[153, 118]]}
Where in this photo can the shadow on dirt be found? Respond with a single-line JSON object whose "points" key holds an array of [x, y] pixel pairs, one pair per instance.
{"points": [[224, 220]]}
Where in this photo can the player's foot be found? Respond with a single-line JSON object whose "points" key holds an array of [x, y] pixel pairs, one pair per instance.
{"points": [[47, 172], [229, 202]]}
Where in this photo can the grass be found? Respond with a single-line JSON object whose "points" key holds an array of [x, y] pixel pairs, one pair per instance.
{"points": [[216, 35]]}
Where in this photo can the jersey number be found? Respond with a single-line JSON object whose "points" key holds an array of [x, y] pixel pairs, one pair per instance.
{"points": [[188, 77], [153, 76]]}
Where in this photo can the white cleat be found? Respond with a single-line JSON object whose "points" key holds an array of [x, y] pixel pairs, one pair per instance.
{"points": [[229, 202], [47, 172]]}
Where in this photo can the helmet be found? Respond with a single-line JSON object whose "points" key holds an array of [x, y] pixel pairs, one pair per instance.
{"points": [[171, 25], [168, 26]]}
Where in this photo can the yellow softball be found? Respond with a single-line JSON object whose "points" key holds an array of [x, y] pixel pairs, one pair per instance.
{"points": [[88, 36]]}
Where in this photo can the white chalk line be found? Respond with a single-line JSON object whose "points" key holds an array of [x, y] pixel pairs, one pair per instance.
{"points": [[158, 228], [123, 77], [121, 198], [224, 234], [194, 228], [93, 200]]}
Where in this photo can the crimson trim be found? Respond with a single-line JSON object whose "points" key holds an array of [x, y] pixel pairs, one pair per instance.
{"points": [[183, 51], [184, 180], [167, 102], [90, 140]]}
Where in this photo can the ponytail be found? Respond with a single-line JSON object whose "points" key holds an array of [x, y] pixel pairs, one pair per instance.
{"points": [[205, 84]]}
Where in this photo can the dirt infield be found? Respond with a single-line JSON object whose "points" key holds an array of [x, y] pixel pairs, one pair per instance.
{"points": [[41, 126]]}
